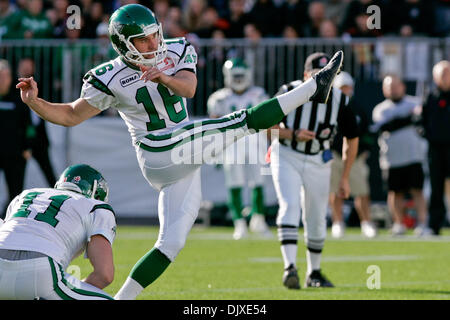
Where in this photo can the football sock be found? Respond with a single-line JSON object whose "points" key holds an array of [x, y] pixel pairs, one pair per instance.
{"points": [[312, 261], [289, 254], [258, 200], [235, 203], [144, 272], [288, 236], [129, 291], [272, 111]]}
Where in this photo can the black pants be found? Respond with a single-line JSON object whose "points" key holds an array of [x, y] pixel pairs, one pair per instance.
{"points": [[40, 154], [439, 161], [14, 170]]}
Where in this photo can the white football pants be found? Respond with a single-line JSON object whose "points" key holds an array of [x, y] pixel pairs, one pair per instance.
{"points": [[301, 182], [45, 279]]}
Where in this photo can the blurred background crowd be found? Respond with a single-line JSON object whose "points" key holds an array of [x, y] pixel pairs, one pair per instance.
{"points": [[24, 19], [273, 36]]}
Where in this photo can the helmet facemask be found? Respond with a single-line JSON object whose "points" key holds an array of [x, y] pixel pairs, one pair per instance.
{"points": [[240, 79], [133, 55], [237, 75]]}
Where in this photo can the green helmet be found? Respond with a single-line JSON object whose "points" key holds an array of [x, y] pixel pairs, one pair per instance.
{"points": [[237, 74], [83, 179], [133, 21]]}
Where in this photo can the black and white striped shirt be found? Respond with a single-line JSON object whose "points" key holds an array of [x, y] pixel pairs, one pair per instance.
{"points": [[323, 119]]}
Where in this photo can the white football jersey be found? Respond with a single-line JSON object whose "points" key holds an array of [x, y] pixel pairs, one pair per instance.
{"points": [[144, 106], [225, 101], [57, 223]]}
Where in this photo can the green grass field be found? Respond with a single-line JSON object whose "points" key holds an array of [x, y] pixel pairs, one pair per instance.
{"points": [[213, 266]]}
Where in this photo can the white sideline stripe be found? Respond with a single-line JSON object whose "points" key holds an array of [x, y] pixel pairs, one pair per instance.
{"points": [[228, 236], [344, 258]]}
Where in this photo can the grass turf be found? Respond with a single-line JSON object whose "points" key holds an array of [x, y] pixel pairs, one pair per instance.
{"points": [[213, 266]]}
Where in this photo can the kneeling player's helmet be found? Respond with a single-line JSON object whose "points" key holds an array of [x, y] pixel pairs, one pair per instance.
{"points": [[237, 75], [84, 179], [133, 21]]}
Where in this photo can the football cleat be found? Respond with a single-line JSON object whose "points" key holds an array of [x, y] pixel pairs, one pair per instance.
{"points": [[317, 280], [338, 230], [240, 229], [324, 78], [290, 278], [258, 225]]}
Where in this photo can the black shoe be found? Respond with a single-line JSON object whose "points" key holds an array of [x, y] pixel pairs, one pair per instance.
{"points": [[324, 78], [316, 279], [290, 278]]}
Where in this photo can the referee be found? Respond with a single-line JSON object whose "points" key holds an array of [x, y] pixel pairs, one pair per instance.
{"points": [[301, 169]]}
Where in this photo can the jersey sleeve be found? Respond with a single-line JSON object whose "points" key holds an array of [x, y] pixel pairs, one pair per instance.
{"points": [[96, 93], [188, 59], [214, 105], [103, 222]]}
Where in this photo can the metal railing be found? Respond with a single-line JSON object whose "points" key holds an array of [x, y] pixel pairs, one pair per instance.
{"points": [[61, 64]]}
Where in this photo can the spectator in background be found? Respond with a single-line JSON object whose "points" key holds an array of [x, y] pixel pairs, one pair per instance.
{"points": [[192, 13], [295, 15], [436, 123], [58, 17], [359, 173], [39, 143], [237, 18], [290, 32], [8, 20], [328, 29], [442, 19], [173, 27], [412, 17], [355, 19], [161, 10], [15, 134], [334, 10], [91, 20], [252, 33], [401, 153], [316, 13], [33, 22], [266, 17], [209, 21]]}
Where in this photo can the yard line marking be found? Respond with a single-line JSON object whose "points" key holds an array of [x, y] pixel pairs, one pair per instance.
{"points": [[310, 291], [344, 258]]}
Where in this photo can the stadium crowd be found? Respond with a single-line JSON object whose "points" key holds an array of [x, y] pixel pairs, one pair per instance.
{"points": [[25, 19]]}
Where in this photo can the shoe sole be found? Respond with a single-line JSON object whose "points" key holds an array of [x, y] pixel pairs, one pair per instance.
{"points": [[331, 81]]}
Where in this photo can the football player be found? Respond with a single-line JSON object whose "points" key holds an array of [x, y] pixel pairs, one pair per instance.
{"points": [[148, 84], [239, 164], [46, 228]]}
